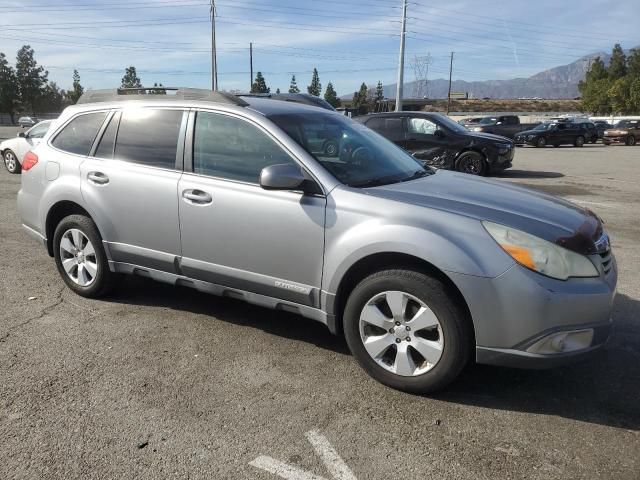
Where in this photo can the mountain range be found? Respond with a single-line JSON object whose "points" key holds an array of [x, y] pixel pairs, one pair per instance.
{"points": [[558, 82]]}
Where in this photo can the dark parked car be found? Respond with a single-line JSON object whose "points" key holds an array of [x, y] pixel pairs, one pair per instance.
{"points": [[601, 126], [505, 125], [592, 131], [438, 141], [554, 133], [625, 131]]}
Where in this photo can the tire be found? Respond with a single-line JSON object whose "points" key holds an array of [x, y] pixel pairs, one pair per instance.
{"points": [[93, 278], [472, 163], [631, 141], [541, 142], [579, 141], [11, 162], [556, 145], [448, 342], [331, 148]]}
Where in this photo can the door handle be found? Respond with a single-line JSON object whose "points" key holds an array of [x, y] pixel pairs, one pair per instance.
{"points": [[98, 178], [197, 196]]}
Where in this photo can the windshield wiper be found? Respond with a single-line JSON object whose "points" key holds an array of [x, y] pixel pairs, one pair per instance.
{"points": [[416, 174], [371, 182]]}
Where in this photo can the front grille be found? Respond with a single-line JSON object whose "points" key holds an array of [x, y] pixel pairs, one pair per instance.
{"points": [[607, 261]]}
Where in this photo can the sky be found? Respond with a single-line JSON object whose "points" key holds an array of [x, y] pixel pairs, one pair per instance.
{"points": [[348, 42]]}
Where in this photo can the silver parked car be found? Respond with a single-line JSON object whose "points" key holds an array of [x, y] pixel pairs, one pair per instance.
{"points": [[27, 121], [421, 270], [14, 149]]}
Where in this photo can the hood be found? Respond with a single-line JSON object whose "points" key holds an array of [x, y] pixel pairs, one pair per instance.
{"points": [[530, 132], [546, 216], [489, 136], [616, 131]]}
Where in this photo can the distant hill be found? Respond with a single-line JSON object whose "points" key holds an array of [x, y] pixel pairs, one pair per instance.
{"points": [[558, 82]]}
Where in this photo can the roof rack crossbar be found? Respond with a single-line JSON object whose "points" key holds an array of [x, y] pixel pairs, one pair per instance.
{"points": [[159, 93]]}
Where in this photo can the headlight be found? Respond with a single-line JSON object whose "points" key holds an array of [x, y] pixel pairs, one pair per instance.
{"points": [[504, 148], [530, 137], [540, 255]]}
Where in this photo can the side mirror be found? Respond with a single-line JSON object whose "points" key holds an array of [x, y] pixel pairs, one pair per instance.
{"points": [[439, 134], [22, 135], [283, 176]]}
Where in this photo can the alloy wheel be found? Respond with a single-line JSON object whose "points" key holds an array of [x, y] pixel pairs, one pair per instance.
{"points": [[78, 257], [401, 333], [10, 161]]}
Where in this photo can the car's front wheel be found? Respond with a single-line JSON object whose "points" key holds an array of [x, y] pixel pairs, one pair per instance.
{"points": [[579, 141], [472, 163], [11, 162], [80, 257], [541, 142], [404, 328], [631, 140]]}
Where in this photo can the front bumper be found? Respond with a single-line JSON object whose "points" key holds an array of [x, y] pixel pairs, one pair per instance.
{"points": [[502, 161], [611, 140], [524, 141], [516, 310]]}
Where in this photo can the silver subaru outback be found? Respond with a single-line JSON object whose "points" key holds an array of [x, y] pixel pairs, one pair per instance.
{"points": [[303, 210]]}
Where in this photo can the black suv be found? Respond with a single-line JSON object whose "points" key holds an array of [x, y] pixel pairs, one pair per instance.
{"points": [[556, 134], [438, 141]]}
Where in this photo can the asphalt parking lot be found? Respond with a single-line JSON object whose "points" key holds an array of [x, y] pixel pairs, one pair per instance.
{"points": [[162, 382]]}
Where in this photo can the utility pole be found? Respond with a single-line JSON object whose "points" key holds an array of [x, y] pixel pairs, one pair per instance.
{"points": [[403, 32], [214, 60], [251, 65], [449, 95]]}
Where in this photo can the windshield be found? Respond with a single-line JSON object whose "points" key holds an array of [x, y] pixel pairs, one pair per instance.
{"points": [[452, 125], [545, 126], [626, 124], [351, 152], [489, 121]]}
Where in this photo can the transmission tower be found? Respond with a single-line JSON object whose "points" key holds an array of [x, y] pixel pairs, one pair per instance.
{"points": [[421, 73]]}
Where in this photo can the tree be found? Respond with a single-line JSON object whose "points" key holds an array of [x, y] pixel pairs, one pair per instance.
{"points": [[315, 88], [595, 87], [331, 96], [620, 95], [360, 100], [618, 63], [31, 79], [8, 87], [75, 94], [277, 91], [130, 79], [379, 92], [293, 87], [259, 84], [53, 99], [633, 63]]}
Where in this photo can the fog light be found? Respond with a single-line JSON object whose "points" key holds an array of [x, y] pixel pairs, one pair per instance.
{"points": [[563, 342]]}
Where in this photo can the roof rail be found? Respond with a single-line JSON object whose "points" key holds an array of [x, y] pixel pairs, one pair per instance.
{"points": [[159, 93]]}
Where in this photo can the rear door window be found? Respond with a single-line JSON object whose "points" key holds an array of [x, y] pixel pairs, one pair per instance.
{"points": [[78, 135], [149, 136]]}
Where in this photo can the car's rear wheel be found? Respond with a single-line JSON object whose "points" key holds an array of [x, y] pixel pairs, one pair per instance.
{"points": [[80, 257], [579, 141], [404, 328], [472, 163], [11, 162], [631, 140], [541, 142]]}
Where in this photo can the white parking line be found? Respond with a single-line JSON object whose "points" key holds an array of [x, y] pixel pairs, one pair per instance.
{"points": [[282, 469], [335, 465]]}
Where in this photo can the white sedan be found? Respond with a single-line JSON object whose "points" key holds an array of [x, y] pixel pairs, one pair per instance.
{"points": [[14, 149]]}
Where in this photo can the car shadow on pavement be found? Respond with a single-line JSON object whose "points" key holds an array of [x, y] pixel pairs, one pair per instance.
{"points": [[527, 174], [603, 390], [142, 291]]}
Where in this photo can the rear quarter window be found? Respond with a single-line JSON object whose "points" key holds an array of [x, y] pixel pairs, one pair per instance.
{"points": [[78, 135]]}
